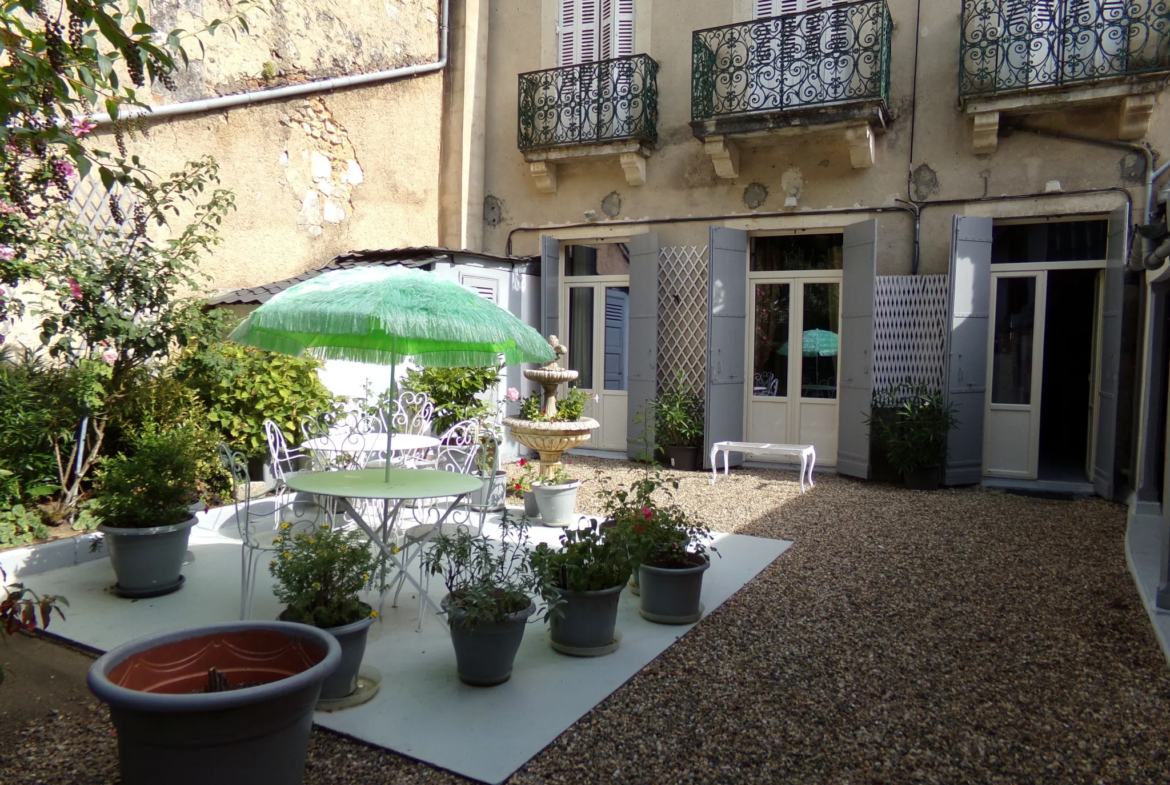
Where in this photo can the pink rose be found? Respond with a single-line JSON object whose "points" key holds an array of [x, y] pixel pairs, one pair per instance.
{"points": [[513, 394], [110, 356], [75, 288], [7, 252], [647, 513]]}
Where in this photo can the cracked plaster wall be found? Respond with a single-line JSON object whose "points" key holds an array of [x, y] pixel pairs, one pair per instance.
{"points": [[323, 174]]}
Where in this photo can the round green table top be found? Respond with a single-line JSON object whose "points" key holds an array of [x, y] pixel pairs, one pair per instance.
{"points": [[371, 483]]}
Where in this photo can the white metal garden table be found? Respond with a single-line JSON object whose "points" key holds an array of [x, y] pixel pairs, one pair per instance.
{"points": [[405, 485]]}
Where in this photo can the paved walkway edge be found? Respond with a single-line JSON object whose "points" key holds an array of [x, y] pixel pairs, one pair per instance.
{"points": [[1143, 547]]}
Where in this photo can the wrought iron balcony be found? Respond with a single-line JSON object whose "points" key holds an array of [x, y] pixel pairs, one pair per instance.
{"points": [[834, 55], [1011, 45], [607, 101]]}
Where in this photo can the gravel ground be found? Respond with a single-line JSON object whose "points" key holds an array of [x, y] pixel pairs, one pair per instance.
{"points": [[963, 636]]}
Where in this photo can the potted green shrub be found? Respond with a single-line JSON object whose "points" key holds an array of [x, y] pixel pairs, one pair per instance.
{"points": [[678, 426], [143, 501], [911, 422], [667, 547], [556, 497], [319, 574], [587, 574], [226, 703], [489, 602]]}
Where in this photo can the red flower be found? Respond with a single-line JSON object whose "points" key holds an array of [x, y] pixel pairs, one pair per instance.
{"points": [[518, 486], [647, 513], [523, 462]]}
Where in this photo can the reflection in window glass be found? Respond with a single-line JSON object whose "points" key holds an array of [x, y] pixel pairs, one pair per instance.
{"points": [[1015, 310], [600, 259], [797, 252], [581, 334], [771, 344], [617, 336], [818, 366], [1061, 241]]}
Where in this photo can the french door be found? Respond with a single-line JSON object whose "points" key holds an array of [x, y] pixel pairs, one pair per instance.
{"points": [[595, 326], [793, 357]]}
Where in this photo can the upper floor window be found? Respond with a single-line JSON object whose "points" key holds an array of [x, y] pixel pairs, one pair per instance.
{"points": [[766, 8], [592, 30], [783, 253], [1056, 241]]}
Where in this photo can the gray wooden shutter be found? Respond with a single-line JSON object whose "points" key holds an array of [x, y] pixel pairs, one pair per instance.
{"points": [[859, 267], [643, 345], [727, 293], [970, 304], [550, 285], [1105, 462]]}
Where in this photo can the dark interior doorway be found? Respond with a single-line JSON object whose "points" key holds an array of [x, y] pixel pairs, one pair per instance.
{"points": [[1068, 370]]}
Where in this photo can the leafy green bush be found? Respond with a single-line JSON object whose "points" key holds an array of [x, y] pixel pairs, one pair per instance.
{"points": [[319, 574], [154, 485], [571, 409], [586, 561], [454, 391], [678, 416], [655, 533], [242, 386], [37, 406], [911, 422]]}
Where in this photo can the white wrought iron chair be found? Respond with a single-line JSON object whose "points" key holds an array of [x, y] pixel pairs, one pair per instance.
{"points": [[461, 459], [285, 462], [255, 537]]}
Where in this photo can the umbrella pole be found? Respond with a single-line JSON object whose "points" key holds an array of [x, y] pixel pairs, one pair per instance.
{"points": [[390, 419]]}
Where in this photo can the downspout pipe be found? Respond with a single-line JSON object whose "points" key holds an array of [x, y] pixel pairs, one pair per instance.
{"points": [[290, 91]]}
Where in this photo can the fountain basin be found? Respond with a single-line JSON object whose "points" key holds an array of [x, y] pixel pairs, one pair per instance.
{"points": [[551, 439]]}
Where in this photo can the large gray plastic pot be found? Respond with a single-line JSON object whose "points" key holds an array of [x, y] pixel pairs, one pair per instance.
{"points": [[586, 628], [484, 653], [344, 680], [147, 562], [670, 595], [557, 502], [169, 733], [490, 497]]}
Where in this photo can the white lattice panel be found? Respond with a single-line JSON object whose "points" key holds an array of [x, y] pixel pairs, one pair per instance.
{"points": [[910, 327], [90, 202], [682, 314]]}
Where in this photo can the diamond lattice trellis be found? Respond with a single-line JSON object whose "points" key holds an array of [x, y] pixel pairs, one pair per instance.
{"points": [[909, 330], [90, 203], [682, 314]]}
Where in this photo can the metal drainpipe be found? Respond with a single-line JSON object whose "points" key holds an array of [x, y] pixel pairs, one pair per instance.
{"points": [[291, 91]]}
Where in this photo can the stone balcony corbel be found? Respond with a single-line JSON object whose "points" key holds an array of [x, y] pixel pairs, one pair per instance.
{"points": [[632, 155]]}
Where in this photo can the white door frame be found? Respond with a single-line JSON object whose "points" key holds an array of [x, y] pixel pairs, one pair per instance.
{"points": [[600, 399], [793, 402]]}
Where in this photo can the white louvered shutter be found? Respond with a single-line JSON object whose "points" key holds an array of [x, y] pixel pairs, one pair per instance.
{"points": [[567, 33], [767, 8], [577, 32], [587, 16], [482, 285], [623, 27], [606, 40], [763, 9]]}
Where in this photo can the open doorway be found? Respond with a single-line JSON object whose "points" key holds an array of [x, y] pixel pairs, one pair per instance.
{"points": [[1066, 413]]}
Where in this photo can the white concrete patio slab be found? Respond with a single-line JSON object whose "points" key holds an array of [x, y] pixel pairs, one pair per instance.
{"points": [[422, 710]]}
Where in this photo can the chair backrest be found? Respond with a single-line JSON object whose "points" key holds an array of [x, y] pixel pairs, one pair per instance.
{"points": [[236, 465], [282, 457], [462, 434], [314, 426], [460, 459], [413, 413]]}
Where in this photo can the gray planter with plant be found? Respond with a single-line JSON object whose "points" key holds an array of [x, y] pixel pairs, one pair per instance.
{"points": [[318, 576], [531, 508], [557, 502], [142, 500], [227, 703], [678, 425], [666, 543], [489, 598], [910, 422], [587, 574], [671, 595]]}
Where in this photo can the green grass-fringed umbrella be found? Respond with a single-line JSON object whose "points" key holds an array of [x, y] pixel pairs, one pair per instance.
{"points": [[816, 343], [383, 315]]}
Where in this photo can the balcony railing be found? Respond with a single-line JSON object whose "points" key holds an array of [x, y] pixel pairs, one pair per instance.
{"points": [[607, 101], [1010, 45], [830, 56]]}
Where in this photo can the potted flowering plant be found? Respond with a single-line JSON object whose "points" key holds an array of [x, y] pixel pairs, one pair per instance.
{"points": [[489, 602], [523, 486], [556, 497], [587, 574], [319, 575], [667, 547], [143, 501]]}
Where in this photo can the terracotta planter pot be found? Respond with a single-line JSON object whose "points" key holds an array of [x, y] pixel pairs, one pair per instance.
{"points": [[170, 730]]}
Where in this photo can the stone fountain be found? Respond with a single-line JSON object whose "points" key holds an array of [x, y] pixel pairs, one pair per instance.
{"points": [[551, 439]]}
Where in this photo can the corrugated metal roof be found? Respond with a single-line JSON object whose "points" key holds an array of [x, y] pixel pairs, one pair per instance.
{"points": [[407, 257]]}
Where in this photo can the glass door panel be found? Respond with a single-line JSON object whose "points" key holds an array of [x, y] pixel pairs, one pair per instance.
{"points": [[770, 356], [612, 398], [1011, 434], [581, 328], [822, 310]]}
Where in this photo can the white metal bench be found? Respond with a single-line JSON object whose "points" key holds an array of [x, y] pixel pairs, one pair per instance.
{"points": [[806, 453]]}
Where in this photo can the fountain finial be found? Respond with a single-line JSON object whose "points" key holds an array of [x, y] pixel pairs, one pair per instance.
{"points": [[559, 351]]}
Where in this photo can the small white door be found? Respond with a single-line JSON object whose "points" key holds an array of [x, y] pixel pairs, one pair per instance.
{"points": [[793, 354], [595, 328], [1011, 446]]}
